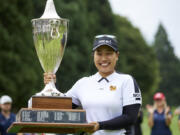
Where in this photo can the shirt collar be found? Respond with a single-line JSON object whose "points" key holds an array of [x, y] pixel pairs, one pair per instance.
{"points": [[109, 77]]}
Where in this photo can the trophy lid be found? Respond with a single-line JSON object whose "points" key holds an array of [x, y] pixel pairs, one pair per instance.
{"points": [[50, 11]]}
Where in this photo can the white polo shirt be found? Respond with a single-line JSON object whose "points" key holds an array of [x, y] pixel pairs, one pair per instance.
{"points": [[103, 99]]}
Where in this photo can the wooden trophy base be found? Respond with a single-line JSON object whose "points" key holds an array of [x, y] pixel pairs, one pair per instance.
{"points": [[50, 115], [49, 128], [51, 102]]}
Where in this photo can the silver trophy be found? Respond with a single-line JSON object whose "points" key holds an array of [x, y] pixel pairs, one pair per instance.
{"points": [[50, 36]]}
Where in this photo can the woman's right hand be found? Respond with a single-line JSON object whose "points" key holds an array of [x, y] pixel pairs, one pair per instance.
{"points": [[150, 108], [48, 77]]}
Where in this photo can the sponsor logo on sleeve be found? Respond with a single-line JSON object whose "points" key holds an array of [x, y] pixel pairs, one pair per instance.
{"points": [[137, 96]]}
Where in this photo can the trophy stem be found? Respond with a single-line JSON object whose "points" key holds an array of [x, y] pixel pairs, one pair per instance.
{"points": [[49, 90]]}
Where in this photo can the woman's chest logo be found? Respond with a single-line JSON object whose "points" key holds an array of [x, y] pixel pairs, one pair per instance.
{"points": [[112, 88]]}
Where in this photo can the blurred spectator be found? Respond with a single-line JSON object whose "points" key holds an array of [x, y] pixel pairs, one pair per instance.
{"points": [[159, 116], [137, 126], [177, 112], [6, 117]]}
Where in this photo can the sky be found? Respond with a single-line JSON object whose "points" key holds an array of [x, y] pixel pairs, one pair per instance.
{"points": [[147, 14]]}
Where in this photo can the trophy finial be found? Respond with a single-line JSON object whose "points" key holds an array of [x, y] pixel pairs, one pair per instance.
{"points": [[50, 10]]}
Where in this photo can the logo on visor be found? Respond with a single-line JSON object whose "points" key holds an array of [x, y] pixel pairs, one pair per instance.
{"points": [[105, 41]]}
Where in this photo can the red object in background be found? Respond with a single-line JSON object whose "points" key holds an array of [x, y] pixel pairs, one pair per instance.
{"points": [[159, 96]]}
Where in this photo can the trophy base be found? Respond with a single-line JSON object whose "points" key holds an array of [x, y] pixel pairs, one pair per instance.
{"points": [[42, 118], [51, 102], [19, 127]]}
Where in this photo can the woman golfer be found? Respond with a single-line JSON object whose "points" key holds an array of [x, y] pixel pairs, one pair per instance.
{"points": [[111, 100]]}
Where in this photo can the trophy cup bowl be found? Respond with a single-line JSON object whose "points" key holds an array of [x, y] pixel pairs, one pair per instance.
{"points": [[50, 36]]}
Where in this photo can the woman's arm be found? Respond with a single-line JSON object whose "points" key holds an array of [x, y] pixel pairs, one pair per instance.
{"points": [[168, 116], [128, 118], [151, 115], [151, 120]]}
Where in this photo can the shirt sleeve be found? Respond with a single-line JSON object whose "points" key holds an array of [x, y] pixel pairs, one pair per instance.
{"points": [[128, 118], [73, 93], [131, 92]]}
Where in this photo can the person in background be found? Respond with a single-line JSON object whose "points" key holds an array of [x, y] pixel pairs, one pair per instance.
{"points": [[6, 117], [137, 126], [159, 119], [177, 112]]}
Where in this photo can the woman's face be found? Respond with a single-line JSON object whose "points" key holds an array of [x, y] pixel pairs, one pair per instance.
{"points": [[105, 59], [6, 107], [159, 102]]}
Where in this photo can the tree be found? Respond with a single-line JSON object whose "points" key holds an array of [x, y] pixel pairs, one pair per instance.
{"points": [[169, 66], [19, 72]]}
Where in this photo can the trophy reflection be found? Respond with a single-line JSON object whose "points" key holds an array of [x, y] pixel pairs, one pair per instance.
{"points": [[50, 36]]}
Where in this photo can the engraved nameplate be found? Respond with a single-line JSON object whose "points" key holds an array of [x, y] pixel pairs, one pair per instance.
{"points": [[51, 116]]}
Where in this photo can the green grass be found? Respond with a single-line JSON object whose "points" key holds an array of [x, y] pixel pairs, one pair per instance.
{"points": [[174, 125]]}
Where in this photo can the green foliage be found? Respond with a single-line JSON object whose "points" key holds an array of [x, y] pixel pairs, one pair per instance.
{"points": [[169, 67], [19, 67], [20, 72]]}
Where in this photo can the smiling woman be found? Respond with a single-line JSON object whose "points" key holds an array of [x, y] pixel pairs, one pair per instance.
{"points": [[111, 100], [105, 55], [105, 60]]}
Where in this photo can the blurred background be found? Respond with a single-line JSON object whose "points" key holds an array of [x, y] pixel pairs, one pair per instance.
{"points": [[146, 51]]}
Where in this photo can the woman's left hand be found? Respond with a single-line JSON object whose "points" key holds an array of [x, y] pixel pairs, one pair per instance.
{"points": [[167, 110], [96, 126]]}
